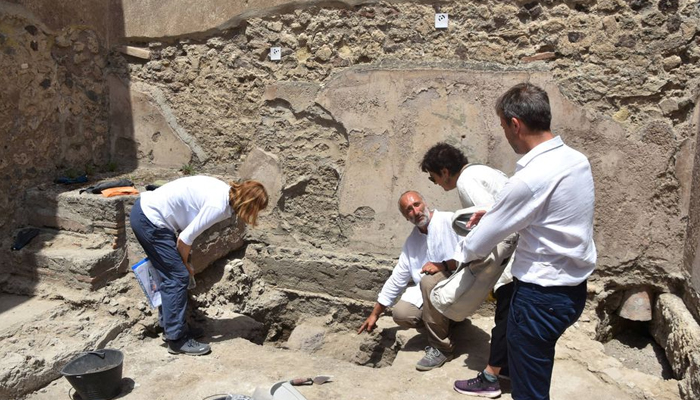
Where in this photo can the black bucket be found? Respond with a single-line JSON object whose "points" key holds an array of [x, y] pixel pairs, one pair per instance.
{"points": [[96, 375]]}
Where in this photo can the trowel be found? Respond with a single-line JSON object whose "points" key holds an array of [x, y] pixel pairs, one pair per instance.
{"points": [[316, 380]]}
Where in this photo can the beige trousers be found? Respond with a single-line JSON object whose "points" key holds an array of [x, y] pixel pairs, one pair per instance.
{"points": [[406, 315]]}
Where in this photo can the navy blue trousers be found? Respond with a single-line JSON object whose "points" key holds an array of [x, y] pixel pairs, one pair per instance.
{"points": [[538, 317], [498, 357], [160, 245]]}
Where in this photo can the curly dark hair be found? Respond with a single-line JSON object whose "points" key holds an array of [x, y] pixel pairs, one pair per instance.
{"points": [[443, 155]]}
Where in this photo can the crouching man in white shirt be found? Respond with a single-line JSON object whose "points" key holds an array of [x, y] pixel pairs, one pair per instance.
{"points": [[432, 239]]}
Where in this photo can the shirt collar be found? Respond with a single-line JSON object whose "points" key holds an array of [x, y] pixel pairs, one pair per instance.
{"points": [[539, 149]]}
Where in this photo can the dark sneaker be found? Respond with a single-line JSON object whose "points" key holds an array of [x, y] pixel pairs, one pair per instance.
{"points": [[188, 346], [433, 358], [478, 386]]}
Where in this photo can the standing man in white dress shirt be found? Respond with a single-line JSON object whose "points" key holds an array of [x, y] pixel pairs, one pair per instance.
{"points": [[432, 239], [477, 185], [549, 201]]}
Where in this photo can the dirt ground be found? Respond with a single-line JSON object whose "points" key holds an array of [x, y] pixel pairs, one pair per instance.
{"points": [[583, 370], [259, 337], [639, 351]]}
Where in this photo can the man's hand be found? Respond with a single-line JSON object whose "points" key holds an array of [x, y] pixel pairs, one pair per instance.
{"points": [[369, 324], [431, 268], [476, 217], [371, 321]]}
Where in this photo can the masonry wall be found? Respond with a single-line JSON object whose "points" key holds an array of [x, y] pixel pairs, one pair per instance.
{"points": [[362, 89], [691, 259], [53, 102]]}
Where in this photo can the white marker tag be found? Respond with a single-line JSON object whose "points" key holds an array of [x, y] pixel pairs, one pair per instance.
{"points": [[441, 20], [275, 53]]}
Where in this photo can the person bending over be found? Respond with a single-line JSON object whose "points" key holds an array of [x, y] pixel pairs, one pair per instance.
{"points": [[167, 220]]}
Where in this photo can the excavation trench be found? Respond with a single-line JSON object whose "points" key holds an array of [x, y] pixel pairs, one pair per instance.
{"points": [[327, 325], [235, 298], [626, 329], [322, 324], [288, 318]]}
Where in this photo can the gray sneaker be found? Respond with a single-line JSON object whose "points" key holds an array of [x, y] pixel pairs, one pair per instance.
{"points": [[188, 346], [433, 358]]}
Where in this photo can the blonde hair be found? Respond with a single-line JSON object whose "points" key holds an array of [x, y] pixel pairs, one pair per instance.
{"points": [[247, 199]]}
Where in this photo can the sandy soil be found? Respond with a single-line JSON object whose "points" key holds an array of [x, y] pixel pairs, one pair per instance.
{"points": [[237, 366]]}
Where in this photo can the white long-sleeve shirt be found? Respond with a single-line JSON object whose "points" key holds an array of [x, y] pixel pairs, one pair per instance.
{"points": [[188, 205], [480, 185], [436, 246], [549, 201]]}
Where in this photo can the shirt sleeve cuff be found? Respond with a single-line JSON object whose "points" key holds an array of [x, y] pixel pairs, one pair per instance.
{"points": [[459, 256], [186, 239], [384, 300]]}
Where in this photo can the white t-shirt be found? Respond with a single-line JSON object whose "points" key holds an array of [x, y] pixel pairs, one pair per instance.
{"points": [[436, 246], [188, 205], [479, 185]]}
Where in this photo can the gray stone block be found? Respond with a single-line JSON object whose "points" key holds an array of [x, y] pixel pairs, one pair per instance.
{"points": [[307, 338], [358, 277], [674, 328], [216, 242], [72, 211], [70, 259]]}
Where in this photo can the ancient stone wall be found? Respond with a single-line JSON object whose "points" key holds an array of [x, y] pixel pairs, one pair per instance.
{"points": [[53, 104], [336, 127], [692, 241], [361, 91]]}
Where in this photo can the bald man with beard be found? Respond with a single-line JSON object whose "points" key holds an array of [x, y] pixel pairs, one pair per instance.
{"points": [[431, 240]]}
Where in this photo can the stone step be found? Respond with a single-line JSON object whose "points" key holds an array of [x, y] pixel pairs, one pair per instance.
{"points": [[98, 228], [345, 311], [324, 299], [341, 275], [56, 208], [70, 259], [347, 281], [18, 310]]}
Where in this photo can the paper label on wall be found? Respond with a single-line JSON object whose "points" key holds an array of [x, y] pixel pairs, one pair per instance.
{"points": [[441, 20]]}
